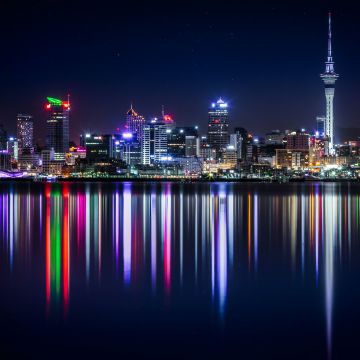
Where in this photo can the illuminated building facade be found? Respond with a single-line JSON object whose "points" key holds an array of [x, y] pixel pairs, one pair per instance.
{"points": [[241, 142], [192, 146], [127, 147], [25, 133], [275, 137], [154, 142], [58, 127], [319, 147], [98, 147], [176, 143], [134, 122], [297, 140], [229, 157], [292, 159], [329, 78], [320, 126], [218, 125], [12, 148]]}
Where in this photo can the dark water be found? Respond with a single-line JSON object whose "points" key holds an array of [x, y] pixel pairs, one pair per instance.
{"points": [[180, 271]]}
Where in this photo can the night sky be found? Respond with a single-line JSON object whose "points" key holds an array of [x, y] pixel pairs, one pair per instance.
{"points": [[264, 57]]}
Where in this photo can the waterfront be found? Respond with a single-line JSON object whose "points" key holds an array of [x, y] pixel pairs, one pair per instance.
{"points": [[180, 270]]}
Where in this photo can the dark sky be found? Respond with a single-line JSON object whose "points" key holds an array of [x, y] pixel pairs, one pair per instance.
{"points": [[264, 57]]}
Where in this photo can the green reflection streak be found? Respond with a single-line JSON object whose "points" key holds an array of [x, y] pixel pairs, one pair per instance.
{"points": [[57, 246]]}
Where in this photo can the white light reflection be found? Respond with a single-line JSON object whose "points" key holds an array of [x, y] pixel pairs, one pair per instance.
{"points": [[330, 218], [222, 254], [230, 207]]}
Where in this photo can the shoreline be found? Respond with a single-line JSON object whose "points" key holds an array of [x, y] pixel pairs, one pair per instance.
{"points": [[161, 180]]}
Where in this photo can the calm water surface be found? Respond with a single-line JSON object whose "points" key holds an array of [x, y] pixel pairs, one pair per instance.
{"points": [[180, 270]]}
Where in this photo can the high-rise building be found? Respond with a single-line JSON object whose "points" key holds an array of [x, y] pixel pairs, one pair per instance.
{"points": [[206, 152], [297, 140], [58, 127], [275, 137], [154, 142], [3, 137], [218, 134], [192, 146], [12, 148], [128, 148], [25, 133], [98, 147], [320, 126], [177, 140], [318, 149], [292, 159], [241, 142], [329, 78], [134, 122]]}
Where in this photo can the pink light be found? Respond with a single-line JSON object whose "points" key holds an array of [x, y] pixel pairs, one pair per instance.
{"points": [[47, 106]]}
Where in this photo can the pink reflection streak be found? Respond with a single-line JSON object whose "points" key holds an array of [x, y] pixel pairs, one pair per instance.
{"points": [[47, 249], [167, 242], [66, 251], [127, 234]]}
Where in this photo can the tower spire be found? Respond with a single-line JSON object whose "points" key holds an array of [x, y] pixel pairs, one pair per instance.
{"points": [[329, 78], [329, 64], [329, 40]]}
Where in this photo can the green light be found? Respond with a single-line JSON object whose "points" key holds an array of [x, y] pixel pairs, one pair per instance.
{"points": [[54, 101]]}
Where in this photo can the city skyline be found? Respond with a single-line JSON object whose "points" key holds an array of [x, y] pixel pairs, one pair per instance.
{"points": [[244, 90]]}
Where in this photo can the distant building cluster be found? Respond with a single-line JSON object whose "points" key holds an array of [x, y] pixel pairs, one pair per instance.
{"points": [[160, 148]]}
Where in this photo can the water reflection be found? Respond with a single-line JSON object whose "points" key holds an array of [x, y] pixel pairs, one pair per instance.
{"points": [[169, 236]]}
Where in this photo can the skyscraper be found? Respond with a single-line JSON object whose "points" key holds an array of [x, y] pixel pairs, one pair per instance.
{"points": [[25, 133], [134, 122], [218, 137], [58, 127], [176, 143], [154, 142], [329, 78], [3, 137], [320, 126]]}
